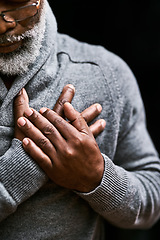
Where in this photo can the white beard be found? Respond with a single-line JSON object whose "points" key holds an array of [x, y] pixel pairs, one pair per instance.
{"points": [[18, 61]]}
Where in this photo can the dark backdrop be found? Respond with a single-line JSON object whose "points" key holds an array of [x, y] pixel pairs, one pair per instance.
{"points": [[131, 29]]}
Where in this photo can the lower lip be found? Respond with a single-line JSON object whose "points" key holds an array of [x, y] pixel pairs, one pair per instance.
{"points": [[9, 47]]}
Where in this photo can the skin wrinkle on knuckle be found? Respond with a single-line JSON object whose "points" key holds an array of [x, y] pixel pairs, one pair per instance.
{"points": [[48, 130], [61, 102], [57, 121], [42, 142], [19, 102]]}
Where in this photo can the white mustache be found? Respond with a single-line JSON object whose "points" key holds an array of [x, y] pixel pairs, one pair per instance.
{"points": [[13, 38], [10, 39]]}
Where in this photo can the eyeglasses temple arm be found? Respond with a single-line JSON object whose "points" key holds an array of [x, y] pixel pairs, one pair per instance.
{"points": [[38, 4]]}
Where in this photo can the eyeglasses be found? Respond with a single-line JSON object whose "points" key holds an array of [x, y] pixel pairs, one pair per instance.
{"points": [[21, 13]]}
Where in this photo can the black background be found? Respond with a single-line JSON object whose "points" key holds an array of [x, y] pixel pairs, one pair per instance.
{"points": [[131, 29]]}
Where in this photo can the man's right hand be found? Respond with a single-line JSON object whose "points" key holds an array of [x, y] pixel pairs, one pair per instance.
{"points": [[21, 105]]}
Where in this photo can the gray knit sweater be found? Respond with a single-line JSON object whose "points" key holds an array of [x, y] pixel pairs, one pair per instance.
{"points": [[31, 207]]}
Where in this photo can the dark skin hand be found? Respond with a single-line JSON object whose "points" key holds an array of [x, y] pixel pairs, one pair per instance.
{"points": [[21, 104], [66, 151]]}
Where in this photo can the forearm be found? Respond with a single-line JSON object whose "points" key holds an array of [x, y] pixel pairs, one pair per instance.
{"points": [[20, 178]]}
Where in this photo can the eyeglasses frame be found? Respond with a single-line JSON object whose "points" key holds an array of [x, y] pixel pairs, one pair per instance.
{"points": [[2, 14]]}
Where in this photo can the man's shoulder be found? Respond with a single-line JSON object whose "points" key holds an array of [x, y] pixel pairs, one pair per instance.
{"points": [[111, 65], [82, 51], [79, 51]]}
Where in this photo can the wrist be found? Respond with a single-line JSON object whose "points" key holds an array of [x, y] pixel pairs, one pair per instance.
{"points": [[94, 180]]}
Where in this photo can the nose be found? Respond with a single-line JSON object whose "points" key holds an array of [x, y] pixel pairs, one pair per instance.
{"points": [[6, 26]]}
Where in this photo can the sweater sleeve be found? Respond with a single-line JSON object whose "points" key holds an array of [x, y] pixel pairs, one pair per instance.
{"points": [[129, 193], [20, 178]]}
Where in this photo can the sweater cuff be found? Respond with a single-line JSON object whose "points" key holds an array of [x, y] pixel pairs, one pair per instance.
{"points": [[110, 193], [20, 175]]}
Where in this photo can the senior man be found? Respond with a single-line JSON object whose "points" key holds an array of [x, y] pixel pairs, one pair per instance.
{"points": [[114, 179]]}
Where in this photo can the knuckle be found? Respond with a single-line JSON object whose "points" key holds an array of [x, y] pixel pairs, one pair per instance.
{"points": [[28, 127], [66, 95], [79, 141], [34, 117], [68, 152], [48, 129], [42, 142], [62, 101], [57, 121], [19, 102], [42, 160]]}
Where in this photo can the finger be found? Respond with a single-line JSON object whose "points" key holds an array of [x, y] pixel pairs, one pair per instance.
{"points": [[20, 104], [46, 127], [66, 96], [92, 112], [63, 127], [75, 118], [36, 136], [37, 154], [98, 127]]}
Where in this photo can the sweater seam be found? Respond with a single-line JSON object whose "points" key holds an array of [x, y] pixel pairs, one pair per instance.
{"points": [[104, 75]]}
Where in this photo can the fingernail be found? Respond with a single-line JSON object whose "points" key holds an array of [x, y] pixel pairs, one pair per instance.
{"points": [[99, 107], [103, 123], [21, 122], [71, 86], [25, 141], [20, 92], [28, 112], [69, 104], [43, 110]]}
